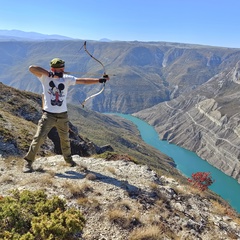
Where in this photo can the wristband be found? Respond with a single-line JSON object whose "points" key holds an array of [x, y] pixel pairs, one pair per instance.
{"points": [[102, 80]]}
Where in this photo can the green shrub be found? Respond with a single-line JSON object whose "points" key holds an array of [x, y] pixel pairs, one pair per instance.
{"points": [[31, 215]]}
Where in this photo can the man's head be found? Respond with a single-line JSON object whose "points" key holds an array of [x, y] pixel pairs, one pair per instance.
{"points": [[57, 63], [57, 66]]}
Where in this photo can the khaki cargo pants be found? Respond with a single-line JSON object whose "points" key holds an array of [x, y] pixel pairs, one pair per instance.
{"points": [[45, 124]]}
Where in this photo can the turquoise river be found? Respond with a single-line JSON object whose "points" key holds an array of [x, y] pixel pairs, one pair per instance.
{"points": [[188, 162]]}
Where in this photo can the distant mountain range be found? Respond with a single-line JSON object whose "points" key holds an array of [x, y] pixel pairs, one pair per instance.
{"points": [[19, 35]]}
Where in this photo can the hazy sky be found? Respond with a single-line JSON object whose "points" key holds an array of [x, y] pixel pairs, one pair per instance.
{"points": [[207, 22]]}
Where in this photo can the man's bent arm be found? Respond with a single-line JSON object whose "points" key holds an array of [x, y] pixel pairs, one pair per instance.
{"points": [[38, 71]]}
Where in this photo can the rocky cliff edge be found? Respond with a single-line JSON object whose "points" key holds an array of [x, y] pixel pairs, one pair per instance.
{"points": [[121, 200]]}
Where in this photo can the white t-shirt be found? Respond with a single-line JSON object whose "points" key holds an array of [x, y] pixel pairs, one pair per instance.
{"points": [[55, 92]]}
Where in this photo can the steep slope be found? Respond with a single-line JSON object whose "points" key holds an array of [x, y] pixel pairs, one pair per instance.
{"points": [[91, 132], [19, 113], [205, 121]]}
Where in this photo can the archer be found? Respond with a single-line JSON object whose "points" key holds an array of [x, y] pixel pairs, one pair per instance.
{"points": [[55, 84]]}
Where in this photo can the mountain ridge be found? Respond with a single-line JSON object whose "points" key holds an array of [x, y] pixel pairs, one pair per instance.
{"points": [[161, 71]]}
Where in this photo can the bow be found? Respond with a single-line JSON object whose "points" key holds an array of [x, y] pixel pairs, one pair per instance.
{"points": [[104, 74]]}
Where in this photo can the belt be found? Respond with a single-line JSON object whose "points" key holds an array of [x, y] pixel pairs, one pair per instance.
{"points": [[53, 113]]}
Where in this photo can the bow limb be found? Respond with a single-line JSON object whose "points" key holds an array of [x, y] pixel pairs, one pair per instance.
{"points": [[94, 95], [104, 74], [85, 48]]}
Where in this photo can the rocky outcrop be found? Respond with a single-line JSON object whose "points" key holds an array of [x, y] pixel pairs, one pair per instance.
{"points": [[236, 73], [79, 145], [19, 114], [124, 201]]}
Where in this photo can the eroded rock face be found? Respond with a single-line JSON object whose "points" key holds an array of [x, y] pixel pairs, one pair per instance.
{"points": [[236, 73], [205, 131], [206, 122]]}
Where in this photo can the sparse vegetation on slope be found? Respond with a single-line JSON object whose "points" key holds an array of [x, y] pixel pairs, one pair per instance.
{"points": [[121, 201]]}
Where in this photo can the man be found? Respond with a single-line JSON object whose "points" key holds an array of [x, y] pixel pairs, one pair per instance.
{"points": [[55, 88]]}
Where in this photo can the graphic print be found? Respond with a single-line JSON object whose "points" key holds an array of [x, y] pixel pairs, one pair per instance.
{"points": [[56, 93]]}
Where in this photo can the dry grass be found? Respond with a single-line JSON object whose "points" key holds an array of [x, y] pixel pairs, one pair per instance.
{"points": [[118, 217], [12, 161], [46, 180], [51, 173], [190, 190], [83, 201], [91, 176], [124, 205], [153, 186], [77, 190], [81, 168], [112, 170], [155, 232], [92, 204], [224, 210], [123, 219], [7, 179]]}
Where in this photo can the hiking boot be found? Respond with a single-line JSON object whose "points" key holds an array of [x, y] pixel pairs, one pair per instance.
{"points": [[27, 167], [71, 163]]}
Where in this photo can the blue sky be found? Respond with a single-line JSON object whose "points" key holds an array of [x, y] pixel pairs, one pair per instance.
{"points": [[207, 22]]}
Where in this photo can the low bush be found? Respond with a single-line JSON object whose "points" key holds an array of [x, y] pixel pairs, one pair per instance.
{"points": [[201, 180], [31, 215]]}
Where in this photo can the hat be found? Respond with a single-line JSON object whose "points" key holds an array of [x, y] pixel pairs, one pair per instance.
{"points": [[57, 63]]}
